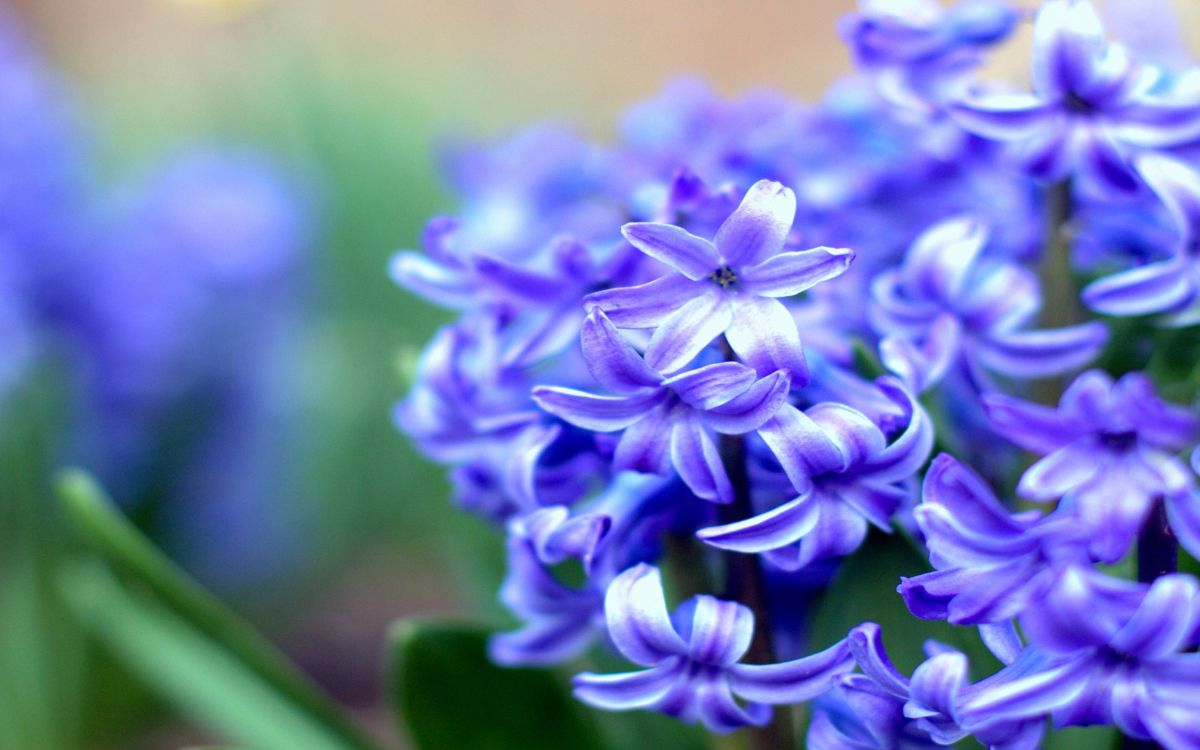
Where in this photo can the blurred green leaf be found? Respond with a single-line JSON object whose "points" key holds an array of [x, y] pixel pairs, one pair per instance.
{"points": [[201, 678], [1082, 738], [450, 696], [865, 591], [110, 535]]}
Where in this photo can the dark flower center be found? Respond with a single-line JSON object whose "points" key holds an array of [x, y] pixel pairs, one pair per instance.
{"points": [[1076, 103], [1119, 441], [723, 276]]}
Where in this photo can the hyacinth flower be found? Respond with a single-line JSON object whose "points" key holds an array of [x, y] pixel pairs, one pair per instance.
{"points": [[729, 285], [990, 564], [1165, 285], [665, 421], [1104, 651], [1092, 107], [1109, 451], [920, 51], [848, 477], [691, 662], [896, 711], [948, 304]]}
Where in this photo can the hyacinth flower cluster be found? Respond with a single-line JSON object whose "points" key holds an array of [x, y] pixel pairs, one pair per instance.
{"points": [[736, 348], [170, 299]]}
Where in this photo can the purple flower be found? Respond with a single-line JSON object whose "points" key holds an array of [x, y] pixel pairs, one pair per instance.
{"points": [[727, 285], [902, 712], [691, 663], [1091, 108], [1104, 652], [948, 304], [1109, 453], [990, 564], [1168, 285], [666, 421], [848, 477]]}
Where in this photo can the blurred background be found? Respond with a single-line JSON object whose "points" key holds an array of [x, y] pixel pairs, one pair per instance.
{"points": [[198, 202]]}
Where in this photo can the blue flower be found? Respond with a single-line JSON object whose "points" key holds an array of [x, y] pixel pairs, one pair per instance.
{"points": [[948, 304], [692, 668], [727, 285], [666, 421], [1109, 453], [1091, 109]]}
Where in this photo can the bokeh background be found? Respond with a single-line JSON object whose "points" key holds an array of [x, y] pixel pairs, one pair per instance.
{"points": [[323, 526]]}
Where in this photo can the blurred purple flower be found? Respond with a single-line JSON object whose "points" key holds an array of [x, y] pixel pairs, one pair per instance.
{"points": [[691, 662], [1091, 109], [1109, 452]]}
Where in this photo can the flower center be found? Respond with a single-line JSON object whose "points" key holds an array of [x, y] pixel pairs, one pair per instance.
{"points": [[723, 276], [1119, 441], [1076, 103]]}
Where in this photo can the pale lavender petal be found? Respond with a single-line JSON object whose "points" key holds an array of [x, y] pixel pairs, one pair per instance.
{"points": [[1034, 695], [751, 409], [520, 471], [1183, 512], [1034, 354], [434, 281], [1002, 640], [1177, 185], [936, 685], [647, 305], [692, 327], [857, 438], [940, 260], [791, 681], [1154, 288], [924, 367], [542, 643], [1102, 158], [1068, 38], [721, 631], [621, 692], [1003, 117], [600, 413], [519, 284], [875, 501], [674, 246], [1058, 473], [759, 226], [1034, 427], [763, 334], [866, 645], [638, 621], [697, 460], [612, 361], [788, 274], [909, 452], [645, 445], [1163, 622], [783, 525], [800, 446], [711, 385], [1087, 403]]}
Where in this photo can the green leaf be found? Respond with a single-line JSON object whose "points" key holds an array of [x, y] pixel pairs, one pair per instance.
{"points": [[199, 676], [865, 591], [109, 534], [450, 696]]}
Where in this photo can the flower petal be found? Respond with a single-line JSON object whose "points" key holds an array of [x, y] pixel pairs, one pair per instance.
{"points": [[1034, 427], [800, 446], [721, 631], [763, 334], [791, 681], [692, 327], [1058, 473], [1034, 354], [644, 306], [787, 274], [697, 460], [599, 413], [785, 524], [1003, 117], [1163, 622], [759, 226], [612, 361], [685, 252], [749, 410], [645, 444], [621, 692], [638, 622], [866, 644], [711, 385]]}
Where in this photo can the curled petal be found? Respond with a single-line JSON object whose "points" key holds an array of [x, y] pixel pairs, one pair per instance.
{"points": [[711, 385], [800, 446], [785, 524], [750, 410], [1032, 426], [866, 645], [599, 413], [1163, 622], [609, 357], [1068, 39], [1004, 117], [519, 284], [787, 274], [720, 713], [440, 284], [697, 460], [1002, 640], [721, 631], [936, 685], [691, 328], [645, 445], [1183, 513], [1058, 473], [542, 643], [759, 226], [1034, 354], [791, 681], [638, 622], [691, 256], [940, 260], [909, 452], [1177, 185], [1034, 695]]}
